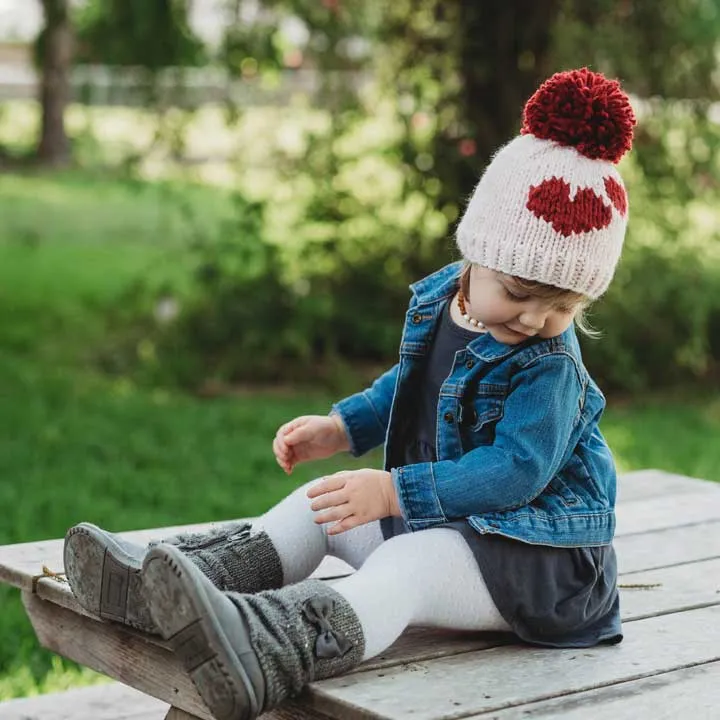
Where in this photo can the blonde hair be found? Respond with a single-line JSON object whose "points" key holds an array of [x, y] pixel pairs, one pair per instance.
{"points": [[546, 292]]}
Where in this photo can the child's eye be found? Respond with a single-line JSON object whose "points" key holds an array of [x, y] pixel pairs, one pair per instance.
{"points": [[565, 309], [512, 296]]}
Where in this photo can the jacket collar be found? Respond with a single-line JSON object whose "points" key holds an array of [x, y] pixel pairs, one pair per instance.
{"points": [[443, 283], [491, 349], [438, 285]]}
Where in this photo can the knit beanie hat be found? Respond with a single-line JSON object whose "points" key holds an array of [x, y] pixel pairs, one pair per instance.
{"points": [[550, 206]]}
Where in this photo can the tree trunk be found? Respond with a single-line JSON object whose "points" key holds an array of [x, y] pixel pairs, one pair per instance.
{"points": [[502, 53], [504, 49], [54, 148]]}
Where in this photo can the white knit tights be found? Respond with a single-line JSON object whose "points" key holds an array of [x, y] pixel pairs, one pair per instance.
{"points": [[423, 578]]}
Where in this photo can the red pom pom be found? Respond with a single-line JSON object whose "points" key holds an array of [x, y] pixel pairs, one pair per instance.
{"points": [[582, 109]]}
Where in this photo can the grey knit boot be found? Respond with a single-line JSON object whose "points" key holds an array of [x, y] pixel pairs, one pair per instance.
{"points": [[248, 653], [103, 569]]}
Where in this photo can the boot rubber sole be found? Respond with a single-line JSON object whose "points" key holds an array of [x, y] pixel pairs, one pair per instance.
{"points": [[105, 580], [185, 616]]}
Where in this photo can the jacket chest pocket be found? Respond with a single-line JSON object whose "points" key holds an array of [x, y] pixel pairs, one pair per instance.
{"points": [[481, 412]]}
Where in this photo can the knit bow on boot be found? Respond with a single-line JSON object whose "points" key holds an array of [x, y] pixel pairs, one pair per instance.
{"points": [[103, 569], [248, 653]]}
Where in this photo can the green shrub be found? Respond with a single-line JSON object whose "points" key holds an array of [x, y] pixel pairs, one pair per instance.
{"points": [[313, 279], [656, 323], [254, 312]]}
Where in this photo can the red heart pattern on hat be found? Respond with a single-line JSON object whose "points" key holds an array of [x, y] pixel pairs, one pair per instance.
{"points": [[550, 201], [617, 195]]}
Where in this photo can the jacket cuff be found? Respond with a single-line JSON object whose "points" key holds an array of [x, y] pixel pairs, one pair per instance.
{"points": [[363, 428], [417, 496]]}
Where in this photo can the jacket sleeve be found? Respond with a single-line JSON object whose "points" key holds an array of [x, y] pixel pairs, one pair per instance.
{"points": [[366, 414], [540, 415]]}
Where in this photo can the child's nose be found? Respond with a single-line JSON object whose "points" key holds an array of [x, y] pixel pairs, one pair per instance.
{"points": [[533, 318]]}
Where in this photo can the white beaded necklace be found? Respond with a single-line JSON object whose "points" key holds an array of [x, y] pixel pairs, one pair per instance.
{"points": [[465, 314]]}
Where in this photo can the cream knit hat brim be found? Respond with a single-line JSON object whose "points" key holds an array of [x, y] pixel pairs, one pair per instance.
{"points": [[551, 207], [499, 230]]}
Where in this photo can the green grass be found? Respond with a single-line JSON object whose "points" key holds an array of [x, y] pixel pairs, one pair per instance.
{"points": [[677, 434], [72, 246]]}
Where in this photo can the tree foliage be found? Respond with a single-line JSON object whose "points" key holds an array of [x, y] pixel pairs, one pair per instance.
{"points": [[456, 75], [450, 77], [152, 35], [468, 68]]}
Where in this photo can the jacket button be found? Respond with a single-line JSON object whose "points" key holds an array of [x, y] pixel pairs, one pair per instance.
{"points": [[449, 417], [417, 319], [469, 364]]}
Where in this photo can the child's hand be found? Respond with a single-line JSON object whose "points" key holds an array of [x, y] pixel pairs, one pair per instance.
{"points": [[309, 437], [354, 497]]}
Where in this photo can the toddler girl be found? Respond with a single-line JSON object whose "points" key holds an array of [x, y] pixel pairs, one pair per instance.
{"points": [[495, 507]]}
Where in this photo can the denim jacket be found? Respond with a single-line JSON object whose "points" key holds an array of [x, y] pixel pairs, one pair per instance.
{"points": [[519, 451]]}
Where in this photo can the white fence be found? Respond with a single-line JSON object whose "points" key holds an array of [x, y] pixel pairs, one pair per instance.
{"points": [[102, 85]]}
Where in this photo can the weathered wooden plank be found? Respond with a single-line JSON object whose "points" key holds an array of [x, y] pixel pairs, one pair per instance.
{"points": [[641, 516], [663, 548], [109, 701], [295, 710], [177, 714], [132, 657], [148, 664], [420, 644], [672, 589], [288, 711], [645, 484], [689, 693], [115, 651], [116, 701], [418, 647], [481, 682], [20, 563]]}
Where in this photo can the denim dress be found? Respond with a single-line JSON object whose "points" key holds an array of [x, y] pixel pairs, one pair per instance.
{"points": [[553, 596]]}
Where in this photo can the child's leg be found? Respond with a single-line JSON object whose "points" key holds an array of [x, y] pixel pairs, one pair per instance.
{"points": [[283, 547], [301, 544], [247, 653], [424, 578]]}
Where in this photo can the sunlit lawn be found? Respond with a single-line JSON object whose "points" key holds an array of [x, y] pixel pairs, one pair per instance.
{"points": [[678, 434]]}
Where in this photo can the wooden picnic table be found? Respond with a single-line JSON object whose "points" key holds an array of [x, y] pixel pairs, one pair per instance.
{"points": [[668, 666]]}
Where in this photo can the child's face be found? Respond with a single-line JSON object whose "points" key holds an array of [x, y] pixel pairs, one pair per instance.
{"points": [[510, 314]]}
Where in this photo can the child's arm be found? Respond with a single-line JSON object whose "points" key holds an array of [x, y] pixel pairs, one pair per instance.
{"points": [[540, 417], [365, 415]]}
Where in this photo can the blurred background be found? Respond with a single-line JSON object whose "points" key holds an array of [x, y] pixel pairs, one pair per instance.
{"points": [[210, 212]]}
